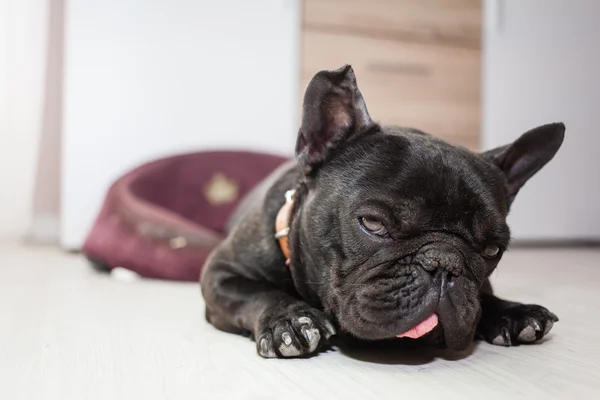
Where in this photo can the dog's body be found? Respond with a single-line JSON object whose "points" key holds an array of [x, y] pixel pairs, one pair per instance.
{"points": [[392, 233]]}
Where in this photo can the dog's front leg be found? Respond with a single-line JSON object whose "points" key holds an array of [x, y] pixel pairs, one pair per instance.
{"points": [[281, 325], [507, 323]]}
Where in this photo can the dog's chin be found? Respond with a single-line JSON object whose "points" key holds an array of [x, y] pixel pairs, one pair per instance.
{"points": [[446, 320], [366, 322], [428, 331], [404, 300]]}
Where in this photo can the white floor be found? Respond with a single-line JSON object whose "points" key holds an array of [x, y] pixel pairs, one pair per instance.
{"points": [[67, 332]]}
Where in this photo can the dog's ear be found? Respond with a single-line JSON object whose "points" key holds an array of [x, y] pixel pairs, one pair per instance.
{"points": [[334, 113], [527, 155]]}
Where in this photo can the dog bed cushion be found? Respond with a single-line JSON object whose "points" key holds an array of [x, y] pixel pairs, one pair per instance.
{"points": [[163, 218]]}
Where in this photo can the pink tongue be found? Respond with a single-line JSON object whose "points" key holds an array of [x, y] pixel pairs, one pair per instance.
{"points": [[422, 328]]}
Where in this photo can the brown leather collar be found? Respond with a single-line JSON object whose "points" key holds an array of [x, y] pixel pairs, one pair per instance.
{"points": [[282, 225]]}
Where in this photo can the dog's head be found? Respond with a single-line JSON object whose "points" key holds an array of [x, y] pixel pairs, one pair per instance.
{"points": [[398, 230]]}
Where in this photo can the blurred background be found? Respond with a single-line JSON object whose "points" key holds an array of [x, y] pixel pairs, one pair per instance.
{"points": [[90, 89]]}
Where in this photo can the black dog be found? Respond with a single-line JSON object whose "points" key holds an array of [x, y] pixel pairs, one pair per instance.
{"points": [[392, 233]]}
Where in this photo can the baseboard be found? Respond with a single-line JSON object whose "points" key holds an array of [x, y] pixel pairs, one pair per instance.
{"points": [[45, 229], [555, 243]]}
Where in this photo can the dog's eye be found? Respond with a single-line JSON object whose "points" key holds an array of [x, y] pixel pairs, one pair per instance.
{"points": [[491, 251], [374, 226]]}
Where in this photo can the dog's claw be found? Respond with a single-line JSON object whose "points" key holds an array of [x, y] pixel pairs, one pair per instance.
{"points": [[310, 333], [306, 333], [528, 334], [294, 336], [521, 323], [289, 350], [330, 329], [503, 339], [265, 348], [498, 341], [506, 335], [549, 326], [287, 339]]}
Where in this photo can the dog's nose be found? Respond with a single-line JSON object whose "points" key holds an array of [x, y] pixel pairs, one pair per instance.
{"points": [[440, 256]]}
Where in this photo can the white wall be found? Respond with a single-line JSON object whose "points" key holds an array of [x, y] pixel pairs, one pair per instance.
{"points": [[23, 45], [542, 65], [148, 79]]}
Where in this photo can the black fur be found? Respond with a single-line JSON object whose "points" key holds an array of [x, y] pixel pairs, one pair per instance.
{"points": [[441, 205]]}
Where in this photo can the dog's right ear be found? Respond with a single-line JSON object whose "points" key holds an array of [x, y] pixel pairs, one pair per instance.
{"points": [[334, 113], [522, 159]]}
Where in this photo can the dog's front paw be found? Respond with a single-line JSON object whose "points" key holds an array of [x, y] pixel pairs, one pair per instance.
{"points": [[293, 334], [517, 324]]}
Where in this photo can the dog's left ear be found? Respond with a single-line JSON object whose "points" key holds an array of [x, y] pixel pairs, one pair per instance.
{"points": [[334, 113], [527, 155]]}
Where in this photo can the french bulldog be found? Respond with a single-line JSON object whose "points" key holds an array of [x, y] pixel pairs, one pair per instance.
{"points": [[390, 232]]}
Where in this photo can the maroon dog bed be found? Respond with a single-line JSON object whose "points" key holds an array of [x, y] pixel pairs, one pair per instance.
{"points": [[162, 219]]}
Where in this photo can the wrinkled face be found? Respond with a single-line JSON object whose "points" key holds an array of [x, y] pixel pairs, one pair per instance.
{"points": [[409, 227], [397, 231]]}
